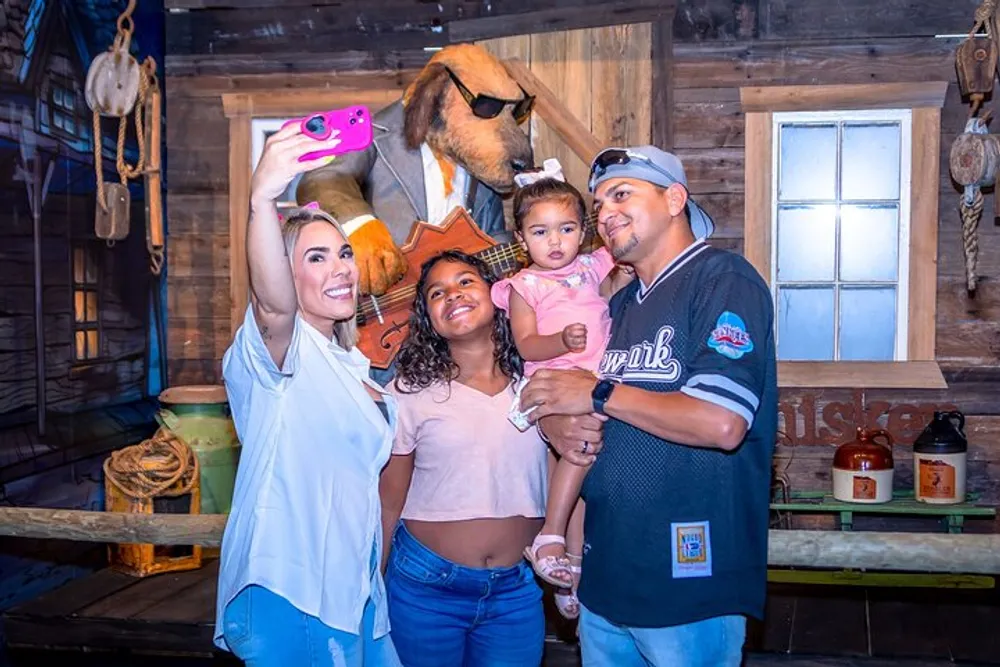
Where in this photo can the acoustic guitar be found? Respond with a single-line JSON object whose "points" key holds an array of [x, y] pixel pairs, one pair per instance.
{"points": [[383, 321]]}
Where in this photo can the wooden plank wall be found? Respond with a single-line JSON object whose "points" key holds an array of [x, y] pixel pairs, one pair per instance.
{"points": [[588, 68], [604, 75], [720, 46], [597, 73]]}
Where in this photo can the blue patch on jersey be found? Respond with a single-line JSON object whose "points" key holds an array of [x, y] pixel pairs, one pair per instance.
{"points": [[729, 337]]}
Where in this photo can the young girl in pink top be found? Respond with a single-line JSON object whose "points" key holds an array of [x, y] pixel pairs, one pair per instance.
{"points": [[559, 315]]}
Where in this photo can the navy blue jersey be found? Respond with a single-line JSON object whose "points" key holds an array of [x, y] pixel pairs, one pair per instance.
{"points": [[676, 534]]}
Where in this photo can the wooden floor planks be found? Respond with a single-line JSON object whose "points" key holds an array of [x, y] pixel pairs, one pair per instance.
{"points": [[174, 612]]}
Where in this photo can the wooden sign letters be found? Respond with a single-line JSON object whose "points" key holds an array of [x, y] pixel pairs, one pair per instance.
{"points": [[807, 420]]}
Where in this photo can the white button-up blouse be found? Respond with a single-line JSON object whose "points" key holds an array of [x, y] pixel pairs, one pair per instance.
{"points": [[305, 521]]}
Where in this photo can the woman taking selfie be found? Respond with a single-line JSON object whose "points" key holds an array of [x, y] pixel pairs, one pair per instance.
{"points": [[469, 487], [299, 581]]}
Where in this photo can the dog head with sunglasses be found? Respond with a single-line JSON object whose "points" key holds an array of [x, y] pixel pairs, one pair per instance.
{"points": [[453, 139], [465, 105]]}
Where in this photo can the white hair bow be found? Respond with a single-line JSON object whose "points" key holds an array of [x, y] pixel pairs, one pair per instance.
{"points": [[550, 169]]}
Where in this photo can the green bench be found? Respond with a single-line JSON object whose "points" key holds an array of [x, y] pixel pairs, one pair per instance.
{"points": [[902, 504]]}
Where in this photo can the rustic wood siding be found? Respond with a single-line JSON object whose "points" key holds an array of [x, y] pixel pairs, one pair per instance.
{"points": [[605, 76]]}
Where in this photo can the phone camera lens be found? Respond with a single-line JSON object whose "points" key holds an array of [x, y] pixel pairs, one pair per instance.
{"points": [[359, 112], [316, 124], [353, 121]]}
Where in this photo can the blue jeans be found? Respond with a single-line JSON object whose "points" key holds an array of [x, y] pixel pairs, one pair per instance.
{"points": [[265, 630], [447, 615], [714, 642]]}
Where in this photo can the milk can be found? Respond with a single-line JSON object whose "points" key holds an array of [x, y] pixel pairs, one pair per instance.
{"points": [[199, 415]]}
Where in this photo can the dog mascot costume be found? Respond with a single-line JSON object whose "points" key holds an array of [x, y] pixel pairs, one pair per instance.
{"points": [[452, 140]]}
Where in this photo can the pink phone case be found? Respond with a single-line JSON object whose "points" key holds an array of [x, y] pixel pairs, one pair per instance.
{"points": [[354, 124]]}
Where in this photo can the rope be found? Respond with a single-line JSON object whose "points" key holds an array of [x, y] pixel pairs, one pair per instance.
{"points": [[972, 209], [161, 466]]}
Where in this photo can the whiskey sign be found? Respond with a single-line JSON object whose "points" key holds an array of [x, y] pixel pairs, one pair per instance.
{"points": [[808, 420]]}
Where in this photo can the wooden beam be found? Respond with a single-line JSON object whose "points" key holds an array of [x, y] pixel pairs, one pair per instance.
{"points": [[388, 25], [843, 96], [910, 552], [292, 63], [576, 135], [861, 374], [662, 131]]}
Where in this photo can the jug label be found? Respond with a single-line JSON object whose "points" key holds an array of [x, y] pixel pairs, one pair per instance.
{"points": [[937, 479], [865, 488]]}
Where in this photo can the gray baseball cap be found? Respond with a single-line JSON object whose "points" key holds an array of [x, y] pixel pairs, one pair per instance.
{"points": [[649, 163]]}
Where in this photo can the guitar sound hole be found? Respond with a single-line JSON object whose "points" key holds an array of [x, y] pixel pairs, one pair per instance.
{"points": [[397, 328]]}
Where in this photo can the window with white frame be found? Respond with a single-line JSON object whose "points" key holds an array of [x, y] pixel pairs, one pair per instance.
{"points": [[260, 130], [840, 234]]}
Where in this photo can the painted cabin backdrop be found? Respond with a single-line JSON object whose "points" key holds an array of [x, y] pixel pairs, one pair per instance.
{"points": [[101, 354], [95, 301]]}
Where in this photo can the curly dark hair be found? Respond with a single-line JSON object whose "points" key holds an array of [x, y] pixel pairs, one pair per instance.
{"points": [[425, 357]]}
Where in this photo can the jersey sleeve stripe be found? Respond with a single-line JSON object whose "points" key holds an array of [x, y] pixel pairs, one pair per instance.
{"points": [[723, 402], [707, 380]]}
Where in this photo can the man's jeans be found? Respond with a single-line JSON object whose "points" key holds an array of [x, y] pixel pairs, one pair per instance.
{"points": [[714, 642]]}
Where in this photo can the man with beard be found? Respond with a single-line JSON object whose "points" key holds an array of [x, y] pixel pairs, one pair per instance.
{"points": [[675, 550]]}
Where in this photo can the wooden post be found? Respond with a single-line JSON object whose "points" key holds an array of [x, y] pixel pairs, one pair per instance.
{"points": [[908, 552], [662, 131]]}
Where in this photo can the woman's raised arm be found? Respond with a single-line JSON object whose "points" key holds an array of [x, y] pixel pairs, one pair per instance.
{"points": [[271, 283]]}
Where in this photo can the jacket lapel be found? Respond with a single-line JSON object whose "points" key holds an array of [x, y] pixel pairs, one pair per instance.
{"points": [[405, 165]]}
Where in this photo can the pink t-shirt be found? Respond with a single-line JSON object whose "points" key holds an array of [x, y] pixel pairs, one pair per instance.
{"points": [[469, 461], [562, 297]]}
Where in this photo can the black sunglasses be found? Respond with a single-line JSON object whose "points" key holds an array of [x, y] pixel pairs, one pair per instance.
{"points": [[617, 156], [487, 106]]}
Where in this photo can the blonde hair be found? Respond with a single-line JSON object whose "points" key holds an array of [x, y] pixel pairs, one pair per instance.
{"points": [[345, 331]]}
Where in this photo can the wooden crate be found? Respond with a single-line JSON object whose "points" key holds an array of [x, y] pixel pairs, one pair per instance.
{"points": [[145, 559]]}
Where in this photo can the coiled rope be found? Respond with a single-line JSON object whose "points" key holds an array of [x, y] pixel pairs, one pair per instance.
{"points": [[163, 465]]}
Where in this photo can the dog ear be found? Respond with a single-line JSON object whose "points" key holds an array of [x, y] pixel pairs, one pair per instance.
{"points": [[423, 103]]}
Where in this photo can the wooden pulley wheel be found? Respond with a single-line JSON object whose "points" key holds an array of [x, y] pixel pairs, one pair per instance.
{"points": [[112, 86], [974, 159]]}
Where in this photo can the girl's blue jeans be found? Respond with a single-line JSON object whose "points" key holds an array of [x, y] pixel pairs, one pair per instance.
{"points": [[447, 615]]}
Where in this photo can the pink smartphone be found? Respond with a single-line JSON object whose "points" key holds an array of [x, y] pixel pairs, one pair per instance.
{"points": [[354, 124]]}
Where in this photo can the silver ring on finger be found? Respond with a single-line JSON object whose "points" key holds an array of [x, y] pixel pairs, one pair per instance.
{"points": [[586, 446]]}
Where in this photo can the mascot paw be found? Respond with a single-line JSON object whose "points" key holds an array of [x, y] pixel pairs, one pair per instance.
{"points": [[380, 263]]}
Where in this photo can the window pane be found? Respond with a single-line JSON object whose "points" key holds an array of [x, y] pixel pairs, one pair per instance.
{"points": [[78, 259], [806, 237], [91, 267], [808, 162], [869, 242], [867, 323], [870, 162], [805, 323], [93, 350], [79, 309], [81, 344], [69, 125], [91, 306]]}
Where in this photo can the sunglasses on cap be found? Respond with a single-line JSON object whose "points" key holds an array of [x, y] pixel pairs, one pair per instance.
{"points": [[487, 106], [618, 156]]}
